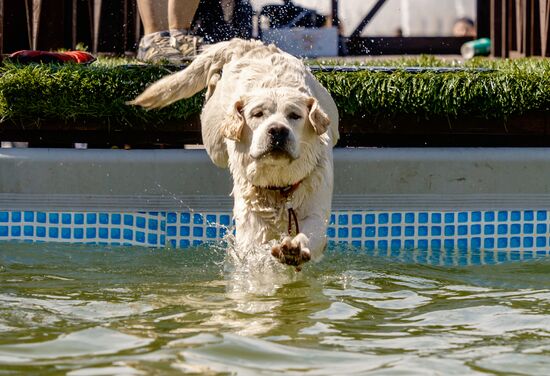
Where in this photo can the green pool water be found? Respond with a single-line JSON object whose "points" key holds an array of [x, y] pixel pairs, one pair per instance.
{"points": [[90, 310]]}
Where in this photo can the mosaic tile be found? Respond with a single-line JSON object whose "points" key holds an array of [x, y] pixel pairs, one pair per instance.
{"points": [[525, 233]]}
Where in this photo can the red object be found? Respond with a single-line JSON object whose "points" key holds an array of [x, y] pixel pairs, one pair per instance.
{"points": [[33, 56]]}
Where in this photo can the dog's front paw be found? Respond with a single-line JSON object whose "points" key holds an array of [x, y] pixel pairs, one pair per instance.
{"points": [[291, 252]]}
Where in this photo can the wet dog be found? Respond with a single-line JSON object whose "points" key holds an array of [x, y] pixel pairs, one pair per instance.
{"points": [[271, 122]]}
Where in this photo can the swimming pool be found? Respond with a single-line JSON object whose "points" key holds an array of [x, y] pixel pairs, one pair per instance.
{"points": [[495, 203], [417, 278], [100, 310]]}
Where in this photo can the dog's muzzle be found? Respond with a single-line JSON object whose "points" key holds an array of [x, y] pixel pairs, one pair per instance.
{"points": [[278, 139], [278, 143], [278, 135]]}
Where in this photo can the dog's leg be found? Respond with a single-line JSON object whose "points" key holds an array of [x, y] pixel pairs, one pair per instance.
{"points": [[291, 251], [308, 244]]}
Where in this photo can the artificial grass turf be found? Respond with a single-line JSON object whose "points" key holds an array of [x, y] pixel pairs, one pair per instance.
{"points": [[94, 93], [97, 93], [509, 87]]}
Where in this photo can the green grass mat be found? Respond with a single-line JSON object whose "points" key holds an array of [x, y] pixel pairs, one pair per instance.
{"points": [[97, 92]]}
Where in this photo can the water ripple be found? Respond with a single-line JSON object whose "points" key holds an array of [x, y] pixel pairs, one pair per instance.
{"points": [[131, 311]]}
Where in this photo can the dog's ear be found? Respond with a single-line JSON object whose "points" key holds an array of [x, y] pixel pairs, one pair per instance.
{"points": [[319, 120], [233, 123]]}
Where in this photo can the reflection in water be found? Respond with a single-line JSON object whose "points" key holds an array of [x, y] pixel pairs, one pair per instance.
{"points": [[89, 310]]}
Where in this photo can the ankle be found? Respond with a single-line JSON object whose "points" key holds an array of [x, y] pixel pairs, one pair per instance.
{"points": [[176, 32]]}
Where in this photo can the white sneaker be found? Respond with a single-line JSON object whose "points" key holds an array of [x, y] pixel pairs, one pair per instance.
{"points": [[188, 45], [162, 46]]}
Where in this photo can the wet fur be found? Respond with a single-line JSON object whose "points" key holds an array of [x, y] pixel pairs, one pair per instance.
{"points": [[252, 72]]}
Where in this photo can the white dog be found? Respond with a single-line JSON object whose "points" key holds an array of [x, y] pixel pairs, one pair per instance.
{"points": [[274, 125]]}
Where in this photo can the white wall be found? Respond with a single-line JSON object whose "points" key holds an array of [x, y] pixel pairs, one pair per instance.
{"points": [[413, 17]]}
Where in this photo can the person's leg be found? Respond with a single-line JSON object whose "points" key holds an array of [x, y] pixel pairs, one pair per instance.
{"points": [[153, 15], [181, 13], [166, 27], [180, 17], [155, 45]]}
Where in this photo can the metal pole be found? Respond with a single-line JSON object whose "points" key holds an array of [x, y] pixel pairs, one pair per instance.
{"points": [[96, 20], [357, 32], [36, 11], [74, 26], [544, 10], [483, 19], [1, 28]]}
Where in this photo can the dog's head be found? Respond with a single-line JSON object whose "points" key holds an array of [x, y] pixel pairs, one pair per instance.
{"points": [[275, 123]]}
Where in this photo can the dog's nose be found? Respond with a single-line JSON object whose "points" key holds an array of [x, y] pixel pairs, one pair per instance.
{"points": [[278, 134]]}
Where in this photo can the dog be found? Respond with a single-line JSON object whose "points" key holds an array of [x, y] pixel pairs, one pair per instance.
{"points": [[274, 125]]}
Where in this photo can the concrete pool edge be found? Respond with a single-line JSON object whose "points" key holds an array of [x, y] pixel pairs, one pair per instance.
{"points": [[365, 178], [385, 199]]}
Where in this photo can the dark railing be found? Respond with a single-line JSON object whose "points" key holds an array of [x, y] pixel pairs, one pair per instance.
{"points": [[105, 26], [519, 27], [114, 27], [516, 27]]}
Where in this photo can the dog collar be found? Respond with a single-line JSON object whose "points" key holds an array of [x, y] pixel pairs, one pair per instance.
{"points": [[287, 192]]}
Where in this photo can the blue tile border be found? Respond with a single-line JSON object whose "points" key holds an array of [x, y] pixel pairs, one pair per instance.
{"points": [[436, 231]]}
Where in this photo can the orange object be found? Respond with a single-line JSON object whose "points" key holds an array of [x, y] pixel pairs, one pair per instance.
{"points": [[33, 56]]}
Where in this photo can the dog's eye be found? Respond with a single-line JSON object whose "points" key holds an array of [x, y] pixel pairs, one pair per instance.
{"points": [[258, 114], [294, 116]]}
